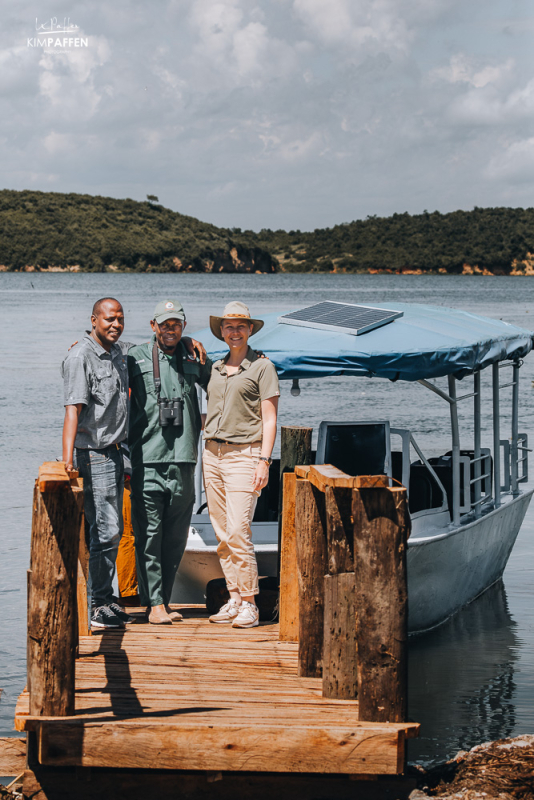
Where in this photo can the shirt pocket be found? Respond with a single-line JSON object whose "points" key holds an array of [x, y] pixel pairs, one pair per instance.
{"points": [[106, 381], [143, 373]]}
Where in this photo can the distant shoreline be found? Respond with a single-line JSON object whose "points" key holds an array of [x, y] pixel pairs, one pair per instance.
{"points": [[57, 232], [527, 271]]}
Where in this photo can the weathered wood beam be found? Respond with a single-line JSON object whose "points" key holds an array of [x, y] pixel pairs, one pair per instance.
{"points": [[295, 448], [323, 475], [311, 566], [289, 586], [53, 476], [305, 748], [381, 527], [340, 667], [52, 629], [340, 680]]}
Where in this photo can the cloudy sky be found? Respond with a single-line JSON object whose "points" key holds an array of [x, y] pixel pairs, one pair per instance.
{"points": [[276, 113]]}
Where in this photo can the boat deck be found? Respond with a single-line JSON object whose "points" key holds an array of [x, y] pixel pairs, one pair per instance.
{"points": [[198, 696]]}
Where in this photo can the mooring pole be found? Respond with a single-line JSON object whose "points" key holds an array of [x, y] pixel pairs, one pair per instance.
{"points": [[340, 674], [295, 448], [311, 568], [52, 611], [381, 528]]}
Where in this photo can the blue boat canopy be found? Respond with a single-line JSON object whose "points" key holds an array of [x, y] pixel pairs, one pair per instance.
{"points": [[426, 342]]}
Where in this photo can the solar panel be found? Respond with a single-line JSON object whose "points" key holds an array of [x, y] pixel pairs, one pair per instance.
{"points": [[345, 317]]}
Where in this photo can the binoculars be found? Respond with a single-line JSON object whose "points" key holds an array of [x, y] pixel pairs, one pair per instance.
{"points": [[170, 411]]}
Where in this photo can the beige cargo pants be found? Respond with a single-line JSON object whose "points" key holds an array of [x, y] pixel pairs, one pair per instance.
{"points": [[228, 473]]}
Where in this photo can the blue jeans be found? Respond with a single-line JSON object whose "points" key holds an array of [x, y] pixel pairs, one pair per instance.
{"points": [[103, 485]]}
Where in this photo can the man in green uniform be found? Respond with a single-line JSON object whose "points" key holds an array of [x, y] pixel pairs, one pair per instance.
{"points": [[163, 454]]}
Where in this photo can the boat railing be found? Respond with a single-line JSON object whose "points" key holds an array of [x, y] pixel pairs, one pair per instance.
{"points": [[510, 456]]}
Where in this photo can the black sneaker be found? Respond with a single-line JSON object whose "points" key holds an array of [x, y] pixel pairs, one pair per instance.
{"points": [[121, 613], [103, 617]]}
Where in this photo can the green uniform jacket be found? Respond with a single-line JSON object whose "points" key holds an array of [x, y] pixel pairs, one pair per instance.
{"points": [[150, 443]]}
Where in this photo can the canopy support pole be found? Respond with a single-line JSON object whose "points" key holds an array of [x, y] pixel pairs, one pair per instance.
{"points": [[496, 437], [515, 428], [455, 430], [477, 438]]}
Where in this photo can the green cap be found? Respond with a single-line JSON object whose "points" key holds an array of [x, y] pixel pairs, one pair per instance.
{"points": [[169, 309]]}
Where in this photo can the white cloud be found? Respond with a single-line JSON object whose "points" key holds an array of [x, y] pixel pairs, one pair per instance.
{"points": [[366, 26], [465, 69], [274, 113]]}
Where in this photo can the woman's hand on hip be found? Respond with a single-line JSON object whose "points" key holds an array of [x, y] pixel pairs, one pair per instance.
{"points": [[261, 476]]}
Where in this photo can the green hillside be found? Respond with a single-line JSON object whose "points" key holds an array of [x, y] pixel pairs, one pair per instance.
{"points": [[48, 229], [496, 240]]}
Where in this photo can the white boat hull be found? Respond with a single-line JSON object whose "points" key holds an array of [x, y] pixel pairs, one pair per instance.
{"points": [[446, 570]]}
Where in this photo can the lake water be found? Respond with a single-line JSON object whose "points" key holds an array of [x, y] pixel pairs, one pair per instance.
{"points": [[470, 680]]}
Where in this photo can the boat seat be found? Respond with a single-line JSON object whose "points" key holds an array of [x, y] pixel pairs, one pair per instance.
{"points": [[424, 492], [356, 448]]}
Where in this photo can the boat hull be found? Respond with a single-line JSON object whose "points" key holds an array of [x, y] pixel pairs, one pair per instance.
{"points": [[445, 571], [448, 571]]}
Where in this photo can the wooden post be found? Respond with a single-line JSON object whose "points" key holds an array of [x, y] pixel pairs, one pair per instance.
{"points": [[381, 527], [295, 448], [289, 587], [340, 666], [311, 567], [57, 513], [340, 674]]}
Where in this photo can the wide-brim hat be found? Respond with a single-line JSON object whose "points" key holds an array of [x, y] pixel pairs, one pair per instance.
{"points": [[234, 310]]}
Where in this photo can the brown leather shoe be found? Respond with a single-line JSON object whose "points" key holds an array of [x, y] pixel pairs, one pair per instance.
{"points": [[158, 616], [174, 615]]}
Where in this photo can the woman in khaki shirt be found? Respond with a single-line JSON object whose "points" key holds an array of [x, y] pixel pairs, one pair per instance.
{"points": [[239, 435]]}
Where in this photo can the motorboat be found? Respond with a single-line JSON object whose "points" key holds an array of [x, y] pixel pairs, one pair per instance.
{"points": [[466, 504]]}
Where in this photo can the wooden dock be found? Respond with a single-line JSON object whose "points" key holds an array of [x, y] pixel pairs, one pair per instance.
{"points": [[198, 696], [150, 708]]}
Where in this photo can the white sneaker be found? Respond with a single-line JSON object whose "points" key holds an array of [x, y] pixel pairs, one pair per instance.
{"points": [[247, 617], [227, 613]]}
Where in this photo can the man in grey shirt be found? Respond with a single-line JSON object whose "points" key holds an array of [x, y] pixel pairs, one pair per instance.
{"points": [[95, 375]]}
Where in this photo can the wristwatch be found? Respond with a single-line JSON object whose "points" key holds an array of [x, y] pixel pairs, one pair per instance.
{"points": [[267, 460]]}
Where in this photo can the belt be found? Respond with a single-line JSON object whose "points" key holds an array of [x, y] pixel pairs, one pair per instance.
{"points": [[220, 441]]}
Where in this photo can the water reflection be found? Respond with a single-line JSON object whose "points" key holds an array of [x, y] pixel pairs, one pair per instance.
{"points": [[461, 678]]}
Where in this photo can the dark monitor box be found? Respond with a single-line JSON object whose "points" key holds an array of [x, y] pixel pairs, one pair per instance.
{"points": [[357, 448]]}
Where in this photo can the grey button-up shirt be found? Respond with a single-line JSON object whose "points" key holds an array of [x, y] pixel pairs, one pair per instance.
{"points": [[98, 380]]}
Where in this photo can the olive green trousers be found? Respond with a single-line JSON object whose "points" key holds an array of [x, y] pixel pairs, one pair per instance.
{"points": [[162, 504]]}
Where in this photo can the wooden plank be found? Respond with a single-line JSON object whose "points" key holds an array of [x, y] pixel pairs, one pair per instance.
{"points": [[270, 748], [53, 476], [301, 471], [52, 599], [340, 672], [323, 475], [289, 587], [311, 568], [381, 524], [12, 756]]}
